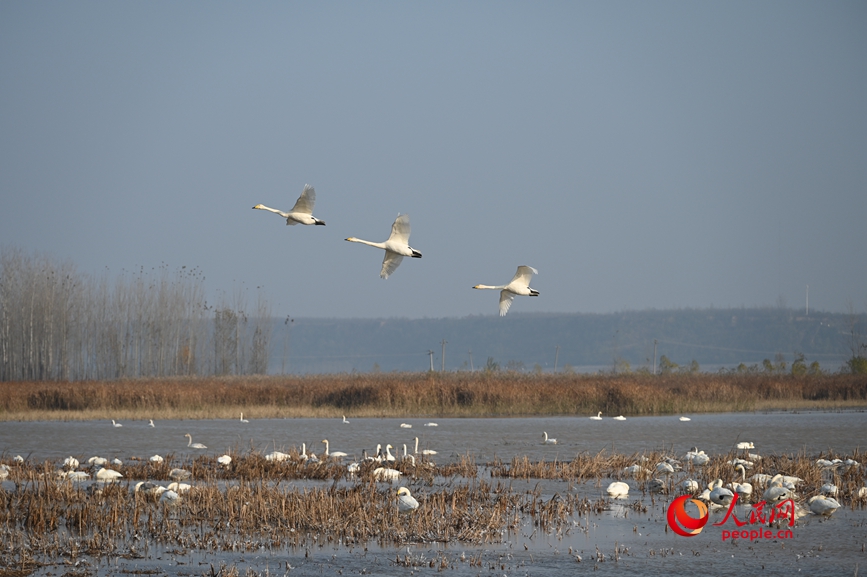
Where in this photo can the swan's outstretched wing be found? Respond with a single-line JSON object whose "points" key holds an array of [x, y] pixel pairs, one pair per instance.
{"points": [[390, 263], [524, 274], [305, 202], [506, 298], [400, 231]]}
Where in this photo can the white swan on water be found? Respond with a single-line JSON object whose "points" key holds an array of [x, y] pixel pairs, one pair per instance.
{"points": [[518, 286], [619, 418], [424, 451], [193, 445], [396, 247], [684, 419], [598, 417], [335, 454], [618, 490], [549, 441], [115, 424], [243, 420], [344, 420], [151, 423], [302, 212]]}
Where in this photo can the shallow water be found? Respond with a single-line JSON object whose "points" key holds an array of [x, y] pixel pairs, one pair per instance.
{"points": [[618, 541], [485, 439]]}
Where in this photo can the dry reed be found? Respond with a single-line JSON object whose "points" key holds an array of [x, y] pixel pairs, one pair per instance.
{"points": [[433, 394]]}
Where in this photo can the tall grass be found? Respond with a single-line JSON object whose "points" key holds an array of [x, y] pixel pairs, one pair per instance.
{"points": [[425, 394]]}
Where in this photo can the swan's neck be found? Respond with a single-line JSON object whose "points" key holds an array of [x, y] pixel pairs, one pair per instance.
{"points": [[416, 445], [484, 286], [367, 242]]}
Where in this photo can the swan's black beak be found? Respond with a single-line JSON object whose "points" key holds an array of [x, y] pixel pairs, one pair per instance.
{"points": [[415, 253]]}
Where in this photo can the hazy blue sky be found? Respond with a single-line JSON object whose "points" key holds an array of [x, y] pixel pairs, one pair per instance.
{"points": [[638, 154]]}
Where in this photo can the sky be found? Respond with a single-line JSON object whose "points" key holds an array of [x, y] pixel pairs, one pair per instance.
{"points": [[640, 155]]}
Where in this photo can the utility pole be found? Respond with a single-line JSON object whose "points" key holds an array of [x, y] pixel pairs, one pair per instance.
{"points": [[556, 356], [654, 356], [430, 352], [471, 361], [444, 355]]}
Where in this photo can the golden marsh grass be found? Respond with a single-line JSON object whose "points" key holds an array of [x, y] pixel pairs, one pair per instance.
{"points": [[426, 394]]}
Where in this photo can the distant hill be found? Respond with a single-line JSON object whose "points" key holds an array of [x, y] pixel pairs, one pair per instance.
{"points": [[587, 342]]}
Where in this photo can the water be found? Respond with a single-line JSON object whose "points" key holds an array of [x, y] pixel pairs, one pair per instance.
{"points": [[619, 541]]}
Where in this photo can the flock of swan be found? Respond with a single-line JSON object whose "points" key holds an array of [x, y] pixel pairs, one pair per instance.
{"points": [[396, 246], [718, 494]]}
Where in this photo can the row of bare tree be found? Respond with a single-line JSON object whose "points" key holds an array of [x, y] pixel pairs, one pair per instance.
{"points": [[59, 324]]}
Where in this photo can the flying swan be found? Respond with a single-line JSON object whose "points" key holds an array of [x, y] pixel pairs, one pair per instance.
{"points": [[396, 247], [302, 212], [519, 285]]}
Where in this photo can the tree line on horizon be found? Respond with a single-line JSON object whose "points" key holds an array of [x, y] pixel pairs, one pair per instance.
{"points": [[59, 324]]}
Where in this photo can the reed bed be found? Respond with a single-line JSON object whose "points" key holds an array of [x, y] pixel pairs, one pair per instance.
{"points": [[432, 394], [256, 504]]}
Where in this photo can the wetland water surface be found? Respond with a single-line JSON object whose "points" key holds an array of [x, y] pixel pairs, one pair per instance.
{"points": [[625, 537]]}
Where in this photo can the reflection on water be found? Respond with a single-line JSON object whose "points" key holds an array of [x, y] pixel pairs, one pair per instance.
{"points": [[623, 540]]}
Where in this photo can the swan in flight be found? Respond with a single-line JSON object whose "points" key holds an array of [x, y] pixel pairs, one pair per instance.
{"points": [[193, 445], [519, 285], [302, 212], [549, 441], [598, 417], [406, 503], [396, 247], [243, 420], [115, 424]]}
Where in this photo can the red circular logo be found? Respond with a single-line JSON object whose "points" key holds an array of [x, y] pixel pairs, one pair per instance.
{"points": [[682, 522]]}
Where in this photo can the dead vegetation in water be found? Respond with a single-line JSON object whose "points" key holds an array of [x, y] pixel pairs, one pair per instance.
{"points": [[408, 394]]}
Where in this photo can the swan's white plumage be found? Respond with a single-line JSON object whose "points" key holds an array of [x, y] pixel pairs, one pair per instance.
{"points": [[406, 503], [518, 286], [396, 247], [618, 489], [549, 441], [598, 417], [193, 445], [335, 454], [302, 212]]}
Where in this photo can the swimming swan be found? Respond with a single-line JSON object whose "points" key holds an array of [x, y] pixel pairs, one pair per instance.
{"points": [[193, 445], [302, 212], [519, 285], [597, 417], [151, 423], [243, 420], [424, 451], [549, 441], [396, 247], [619, 418], [335, 454], [115, 424]]}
